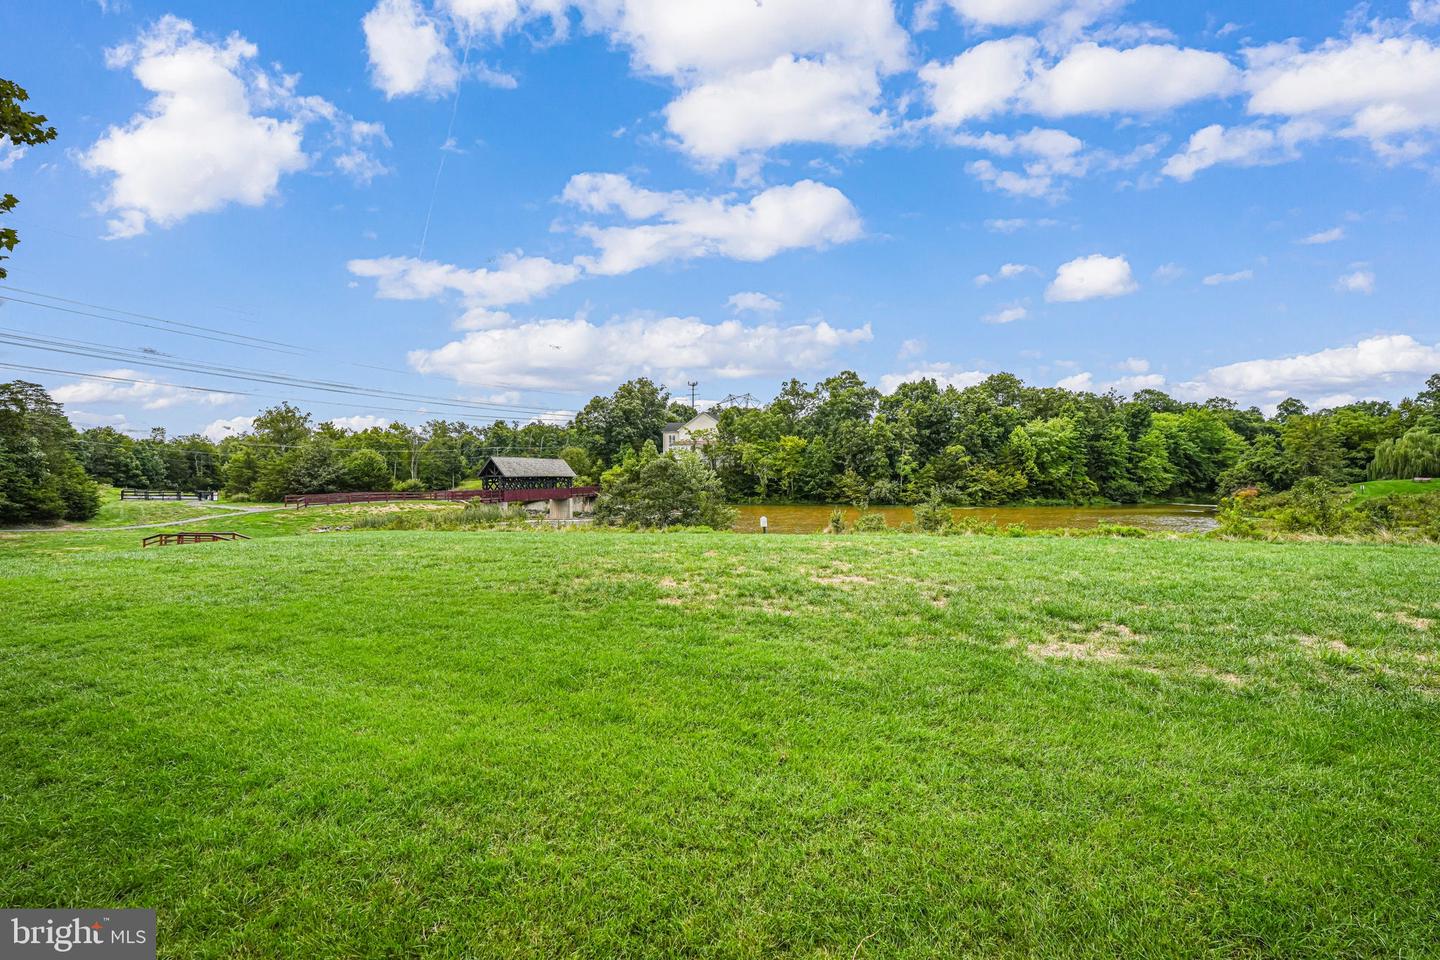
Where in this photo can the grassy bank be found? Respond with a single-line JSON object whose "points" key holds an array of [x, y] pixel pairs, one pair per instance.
{"points": [[1371, 489], [511, 744]]}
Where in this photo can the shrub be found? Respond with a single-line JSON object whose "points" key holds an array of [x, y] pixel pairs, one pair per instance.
{"points": [[869, 522], [934, 516], [406, 486], [837, 521]]}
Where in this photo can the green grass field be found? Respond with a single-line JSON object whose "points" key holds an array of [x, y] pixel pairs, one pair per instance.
{"points": [[569, 744], [115, 512], [1371, 489]]}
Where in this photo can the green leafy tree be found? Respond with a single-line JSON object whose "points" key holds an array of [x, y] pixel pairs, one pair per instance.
{"points": [[41, 480], [22, 129], [649, 490], [365, 470]]}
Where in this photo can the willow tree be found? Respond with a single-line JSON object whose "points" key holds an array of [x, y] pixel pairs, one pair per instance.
{"points": [[1415, 454]]}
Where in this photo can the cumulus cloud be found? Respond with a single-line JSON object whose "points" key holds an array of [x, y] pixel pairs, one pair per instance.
{"points": [[1091, 79], [1078, 381], [659, 227], [1010, 314], [753, 302], [408, 51], [805, 214], [1016, 224], [9, 153], [1357, 281], [1135, 365], [791, 100], [1089, 278], [218, 430], [357, 423], [944, 374], [1011, 75], [1383, 89], [1370, 363], [1217, 279], [1122, 385], [1323, 236], [147, 394], [202, 142], [565, 353], [1007, 271], [518, 279], [1248, 146], [1048, 155]]}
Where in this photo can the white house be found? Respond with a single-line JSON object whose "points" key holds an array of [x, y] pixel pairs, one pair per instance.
{"points": [[682, 436]]}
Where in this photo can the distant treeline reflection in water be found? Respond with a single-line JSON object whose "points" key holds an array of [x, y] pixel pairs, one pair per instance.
{"points": [[1172, 517]]}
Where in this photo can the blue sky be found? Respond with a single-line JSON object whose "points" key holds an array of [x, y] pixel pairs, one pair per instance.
{"points": [[1206, 198]]}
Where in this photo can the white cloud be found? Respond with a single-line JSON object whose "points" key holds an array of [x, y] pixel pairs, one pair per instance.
{"points": [[1168, 272], [1079, 381], [910, 348], [1357, 281], [200, 144], [1053, 154], [1242, 146], [1150, 78], [944, 374], [1324, 236], [1135, 365], [1425, 11], [1090, 278], [801, 215], [218, 430], [546, 354], [681, 40], [1015, 311], [980, 82], [518, 279], [9, 153], [788, 101], [663, 227], [1216, 279], [1144, 381], [1007, 271], [1010, 75], [1371, 362], [357, 423], [147, 394], [1384, 89], [1060, 19], [1016, 224], [753, 302], [408, 52]]}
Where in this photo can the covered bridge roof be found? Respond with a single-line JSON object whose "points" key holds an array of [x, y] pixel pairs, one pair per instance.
{"points": [[519, 467]]}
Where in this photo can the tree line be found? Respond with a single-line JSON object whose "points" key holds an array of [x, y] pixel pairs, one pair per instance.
{"points": [[838, 440]]}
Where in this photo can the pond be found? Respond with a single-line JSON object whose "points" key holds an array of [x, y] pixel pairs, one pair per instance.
{"points": [[1172, 517]]}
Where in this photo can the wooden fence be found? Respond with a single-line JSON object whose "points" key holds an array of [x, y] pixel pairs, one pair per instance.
{"points": [[298, 500], [171, 539], [132, 494]]}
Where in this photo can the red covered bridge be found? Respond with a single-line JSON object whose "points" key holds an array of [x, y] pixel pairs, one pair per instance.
{"points": [[503, 479]]}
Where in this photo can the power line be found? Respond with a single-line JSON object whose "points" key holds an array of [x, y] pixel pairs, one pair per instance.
{"points": [[91, 349], [545, 420], [228, 336]]}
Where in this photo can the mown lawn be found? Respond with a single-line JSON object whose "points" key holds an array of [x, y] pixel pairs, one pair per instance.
{"points": [[115, 512], [569, 744]]}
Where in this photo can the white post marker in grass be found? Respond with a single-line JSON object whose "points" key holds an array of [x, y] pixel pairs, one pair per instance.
{"points": [[764, 524]]}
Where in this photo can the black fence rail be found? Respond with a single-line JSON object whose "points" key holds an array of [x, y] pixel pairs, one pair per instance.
{"points": [[172, 539]]}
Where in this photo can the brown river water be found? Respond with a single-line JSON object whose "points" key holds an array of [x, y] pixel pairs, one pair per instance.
{"points": [[1173, 517]]}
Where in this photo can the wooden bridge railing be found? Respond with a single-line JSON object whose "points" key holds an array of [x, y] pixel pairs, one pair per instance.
{"points": [[128, 493], [171, 539]]}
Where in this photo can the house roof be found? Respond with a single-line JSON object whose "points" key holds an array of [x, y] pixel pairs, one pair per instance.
{"points": [[530, 467], [672, 427]]}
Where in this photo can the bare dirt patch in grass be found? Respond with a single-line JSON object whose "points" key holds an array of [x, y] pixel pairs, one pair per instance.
{"points": [[1412, 621], [1106, 643], [843, 580], [1315, 643]]}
